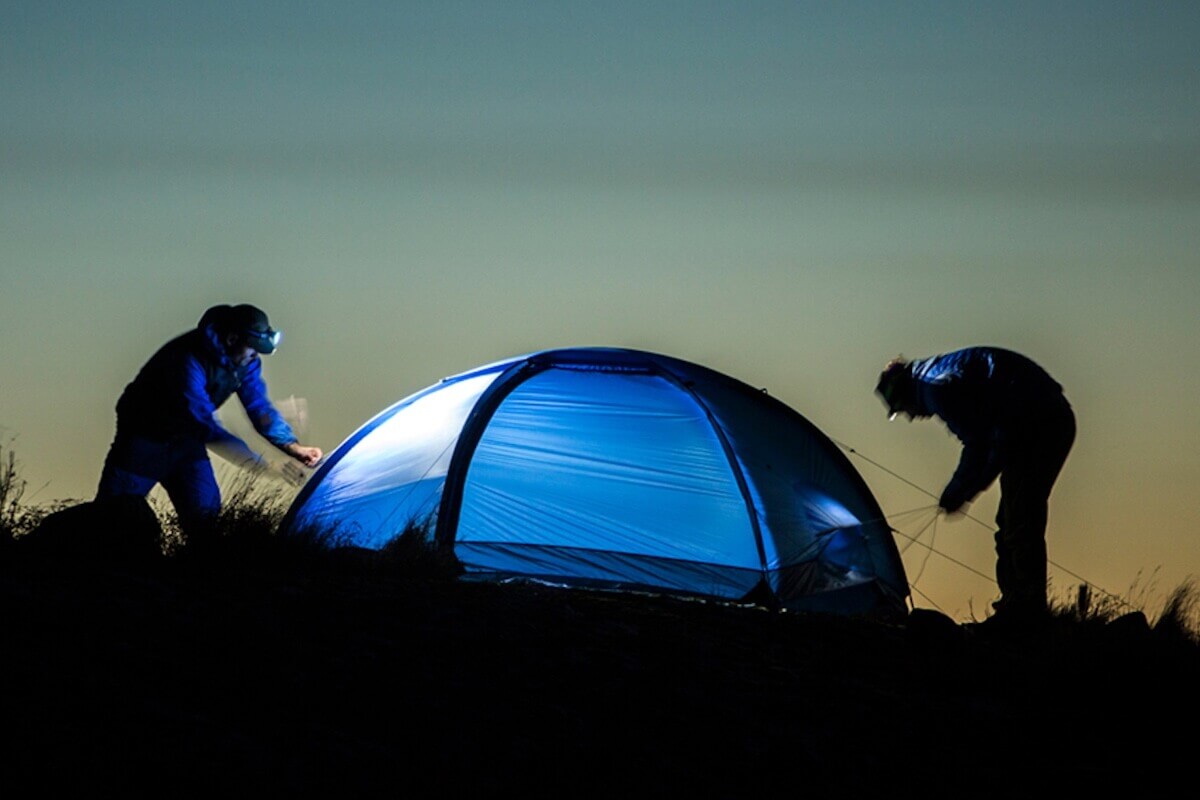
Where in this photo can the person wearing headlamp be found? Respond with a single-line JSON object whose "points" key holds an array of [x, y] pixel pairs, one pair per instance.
{"points": [[167, 416], [1014, 423]]}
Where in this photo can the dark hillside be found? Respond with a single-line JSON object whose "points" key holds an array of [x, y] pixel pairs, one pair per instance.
{"points": [[268, 673]]}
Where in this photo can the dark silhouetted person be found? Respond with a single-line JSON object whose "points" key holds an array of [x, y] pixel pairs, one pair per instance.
{"points": [[1013, 422], [166, 417]]}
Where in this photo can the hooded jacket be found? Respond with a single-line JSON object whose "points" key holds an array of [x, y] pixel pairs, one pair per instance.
{"points": [[177, 393]]}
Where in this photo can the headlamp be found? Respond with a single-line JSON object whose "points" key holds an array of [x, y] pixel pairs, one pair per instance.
{"points": [[264, 342]]}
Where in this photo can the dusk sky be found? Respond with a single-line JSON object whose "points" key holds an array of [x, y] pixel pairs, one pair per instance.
{"points": [[788, 192]]}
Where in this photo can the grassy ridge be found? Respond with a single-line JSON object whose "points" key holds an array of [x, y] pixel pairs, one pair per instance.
{"points": [[262, 666]]}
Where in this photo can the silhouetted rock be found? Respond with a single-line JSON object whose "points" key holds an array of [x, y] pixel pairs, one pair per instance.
{"points": [[1135, 623], [118, 529], [933, 628]]}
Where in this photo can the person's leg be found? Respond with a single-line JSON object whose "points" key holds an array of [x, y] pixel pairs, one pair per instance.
{"points": [[1021, 570], [193, 490], [1005, 579], [132, 467], [1025, 485]]}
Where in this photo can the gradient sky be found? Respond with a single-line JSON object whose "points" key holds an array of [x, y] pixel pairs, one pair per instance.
{"points": [[789, 192]]}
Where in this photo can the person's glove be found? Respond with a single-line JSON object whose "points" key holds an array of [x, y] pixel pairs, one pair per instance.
{"points": [[952, 499]]}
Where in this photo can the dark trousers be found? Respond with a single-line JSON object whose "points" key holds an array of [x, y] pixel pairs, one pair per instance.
{"points": [[1031, 466], [135, 464]]}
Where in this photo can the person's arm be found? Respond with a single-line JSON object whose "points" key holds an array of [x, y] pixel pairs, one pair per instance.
{"points": [[962, 397], [268, 421], [203, 414], [978, 466]]}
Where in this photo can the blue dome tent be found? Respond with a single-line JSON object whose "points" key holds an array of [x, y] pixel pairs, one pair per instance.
{"points": [[616, 468]]}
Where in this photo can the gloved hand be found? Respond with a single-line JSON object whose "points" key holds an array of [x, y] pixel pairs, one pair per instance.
{"points": [[952, 499]]}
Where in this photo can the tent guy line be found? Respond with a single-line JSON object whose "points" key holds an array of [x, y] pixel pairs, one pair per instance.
{"points": [[877, 465], [931, 524]]}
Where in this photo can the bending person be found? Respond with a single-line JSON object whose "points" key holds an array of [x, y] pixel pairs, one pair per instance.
{"points": [[1013, 422], [166, 417]]}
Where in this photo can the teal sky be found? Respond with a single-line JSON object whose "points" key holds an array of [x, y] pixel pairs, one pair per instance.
{"points": [[789, 192]]}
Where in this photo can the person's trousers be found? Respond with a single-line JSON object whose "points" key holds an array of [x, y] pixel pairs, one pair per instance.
{"points": [[1031, 467], [135, 464]]}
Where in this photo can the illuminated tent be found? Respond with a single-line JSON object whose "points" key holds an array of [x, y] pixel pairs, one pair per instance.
{"points": [[615, 468]]}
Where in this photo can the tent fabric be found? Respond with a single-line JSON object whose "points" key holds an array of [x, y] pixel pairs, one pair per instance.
{"points": [[618, 468]]}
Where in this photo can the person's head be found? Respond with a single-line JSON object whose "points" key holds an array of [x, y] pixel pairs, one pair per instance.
{"points": [[243, 330], [897, 389]]}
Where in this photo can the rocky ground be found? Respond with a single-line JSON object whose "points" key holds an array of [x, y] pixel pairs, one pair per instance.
{"points": [[263, 674]]}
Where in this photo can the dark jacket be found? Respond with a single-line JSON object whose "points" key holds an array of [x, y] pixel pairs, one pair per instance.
{"points": [[993, 400], [178, 391]]}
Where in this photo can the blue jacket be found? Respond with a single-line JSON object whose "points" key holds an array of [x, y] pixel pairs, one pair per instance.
{"points": [[178, 391], [992, 399]]}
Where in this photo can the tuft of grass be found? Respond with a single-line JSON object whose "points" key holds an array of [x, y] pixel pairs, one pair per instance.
{"points": [[17, 518], [252, 509], [1087, 606], [414, 552], [1179, 620], [247, 524], [12, 489]]}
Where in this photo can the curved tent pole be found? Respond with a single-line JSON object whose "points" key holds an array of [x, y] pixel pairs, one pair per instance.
{"points": [[731, 458], [834, 453], [446, 526], [828, 447]]}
